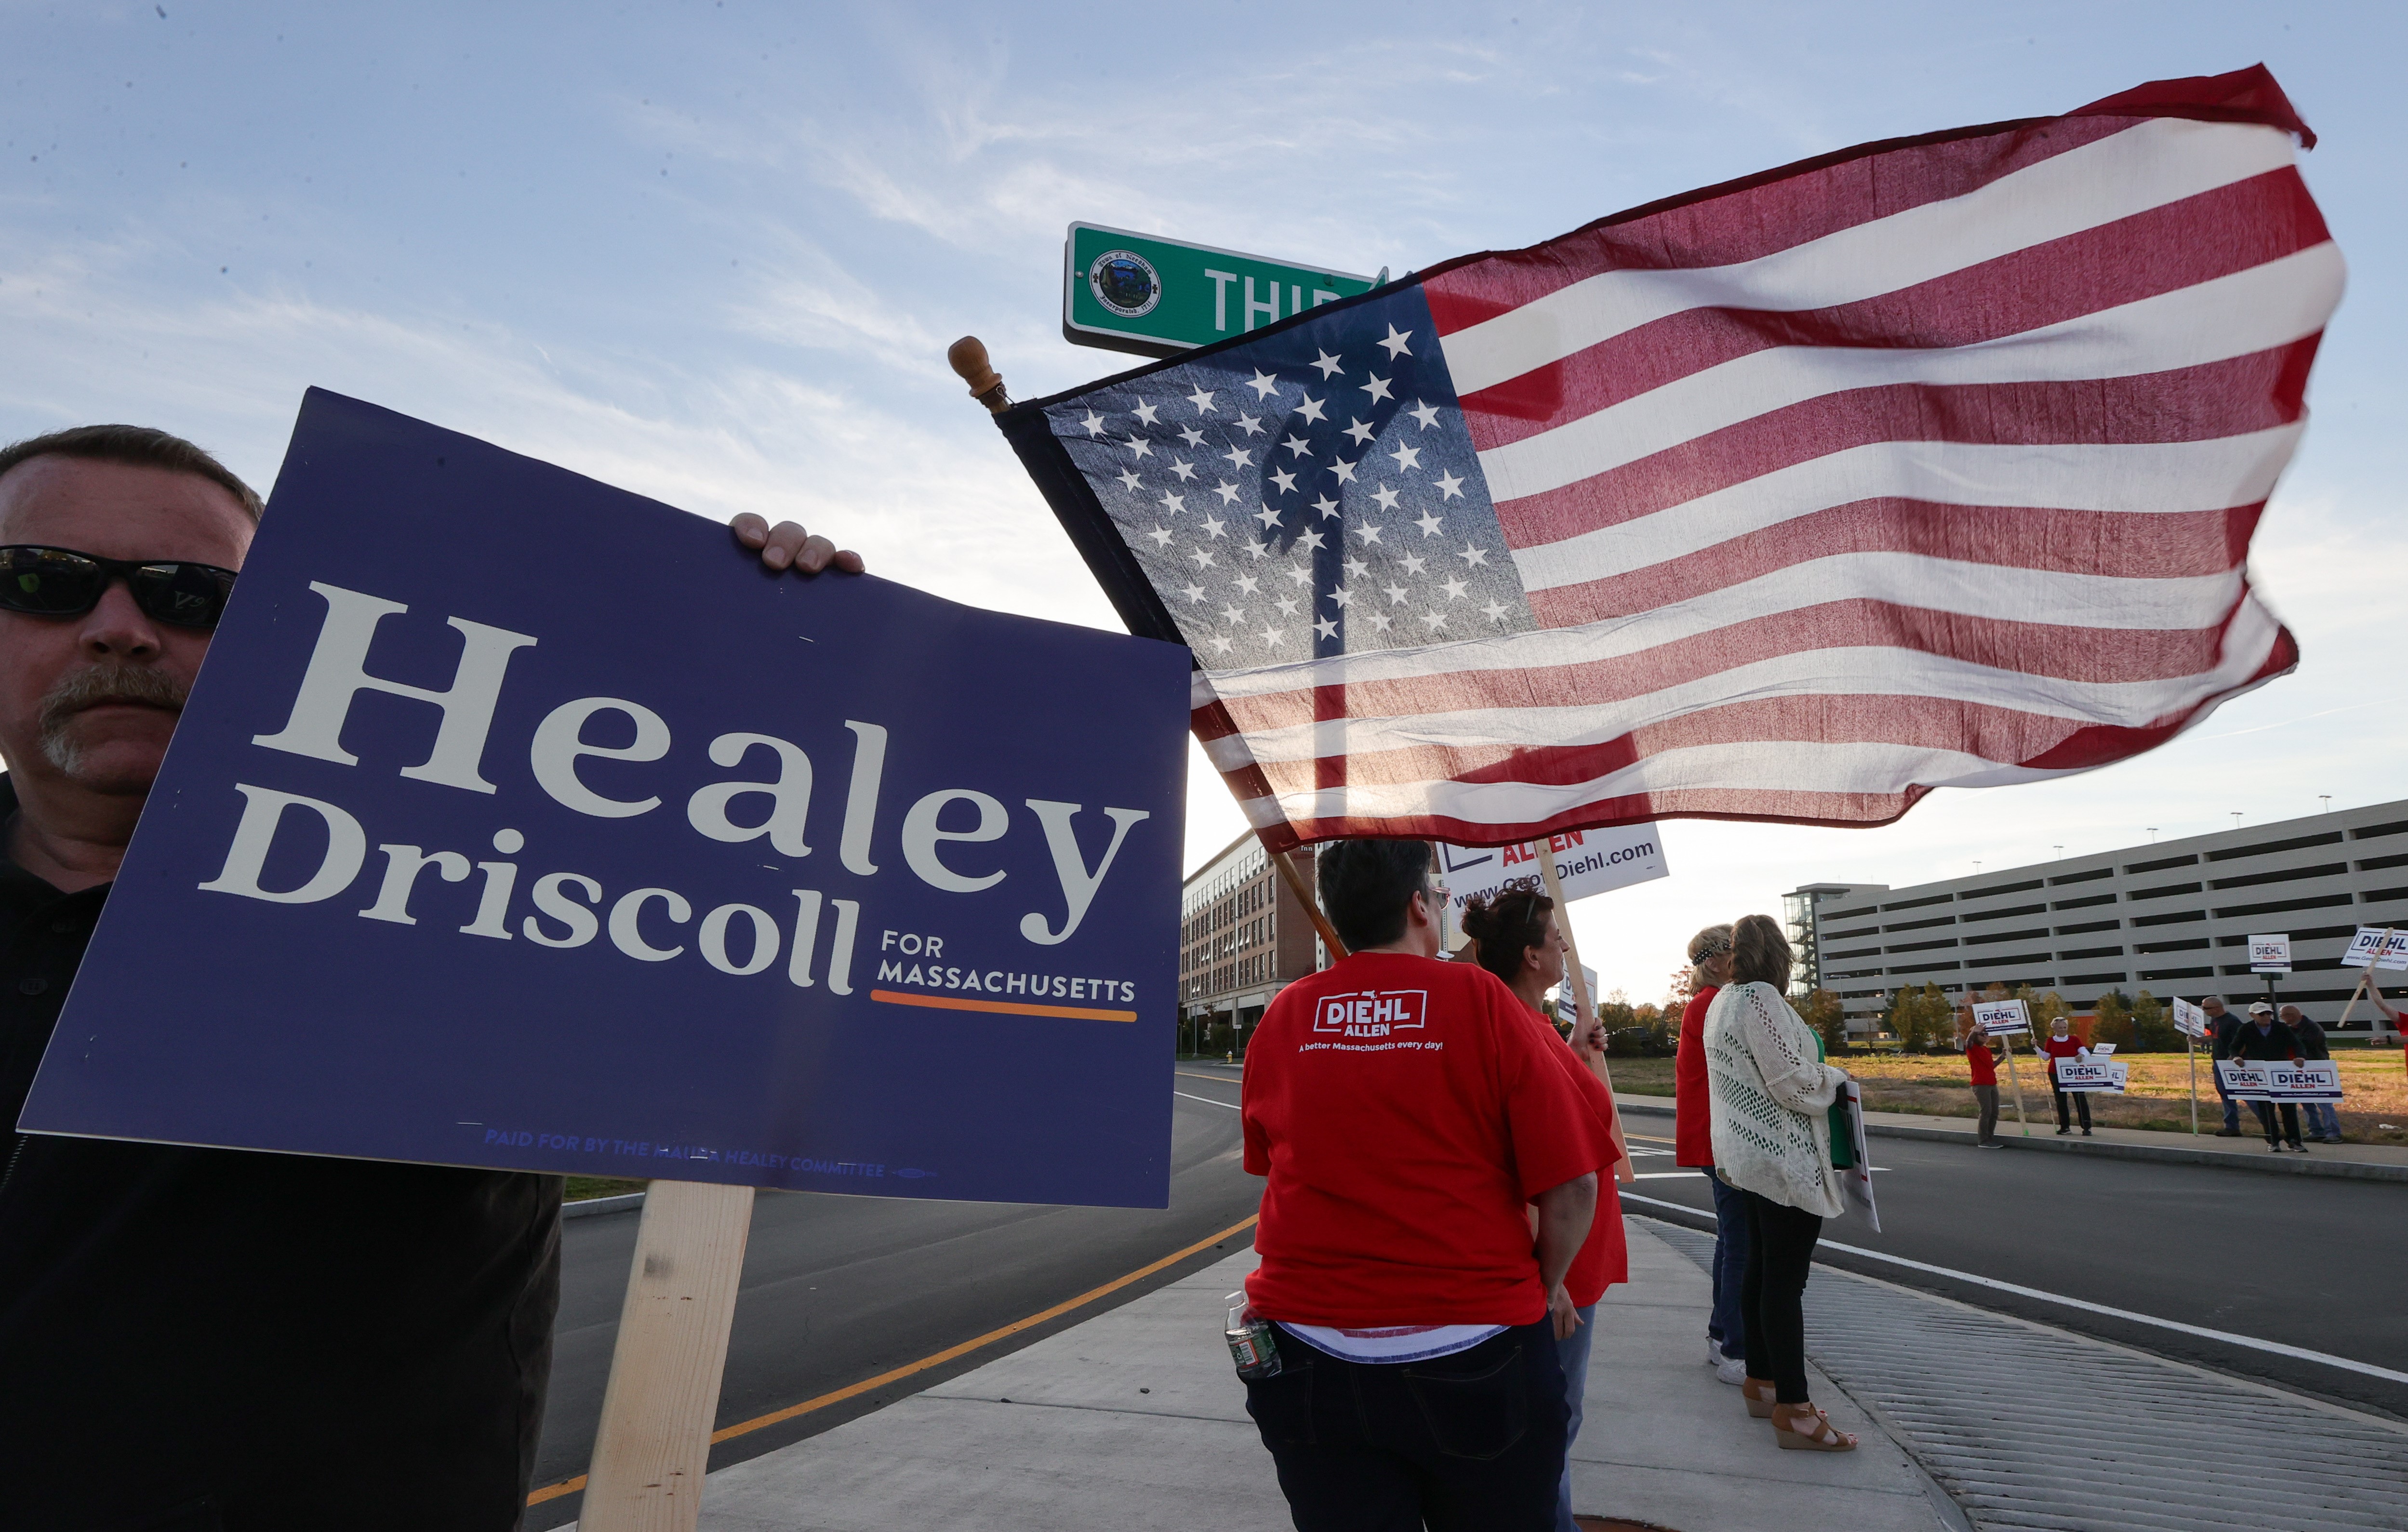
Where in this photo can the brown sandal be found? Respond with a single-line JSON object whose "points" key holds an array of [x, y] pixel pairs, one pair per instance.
{"points": [[1758, 1393], [1821, 1435]]}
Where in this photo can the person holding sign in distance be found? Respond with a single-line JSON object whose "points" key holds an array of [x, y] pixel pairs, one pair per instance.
{"points": [[2061, 1044], [1983, 1060], [2324, 1123], [202, 1338], [2262, 1039]]}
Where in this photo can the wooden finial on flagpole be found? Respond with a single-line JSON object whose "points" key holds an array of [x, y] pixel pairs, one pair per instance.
{"points": [[969, 360]]}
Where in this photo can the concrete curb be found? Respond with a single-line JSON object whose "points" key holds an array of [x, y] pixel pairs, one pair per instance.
{"points": [[593, 1205], [2276, 1165]]}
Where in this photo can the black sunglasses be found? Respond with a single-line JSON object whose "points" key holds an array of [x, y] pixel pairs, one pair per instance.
{"points": [[62, 583]]}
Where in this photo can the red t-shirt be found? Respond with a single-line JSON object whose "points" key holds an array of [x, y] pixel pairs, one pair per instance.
{"points": [[1406, 1111], [1985, 1069], [1693, 1127], [1604, 1257], [2059, 1048]]}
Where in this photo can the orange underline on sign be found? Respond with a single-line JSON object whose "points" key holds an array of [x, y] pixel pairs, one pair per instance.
{"points": [[1009, 1008], [570, 1486]]}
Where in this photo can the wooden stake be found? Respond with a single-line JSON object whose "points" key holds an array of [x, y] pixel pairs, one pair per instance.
{"points": [[1296, 886], [1582, 1010], [654, 1442], [2190, 1046], [2017, 1080]]}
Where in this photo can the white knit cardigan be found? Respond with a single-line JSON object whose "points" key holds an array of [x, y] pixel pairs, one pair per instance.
{"points": [[1771, 1096]]}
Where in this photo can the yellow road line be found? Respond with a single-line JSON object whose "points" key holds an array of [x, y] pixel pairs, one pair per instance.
{"points": [[1192, 1075], [570, 1486]]}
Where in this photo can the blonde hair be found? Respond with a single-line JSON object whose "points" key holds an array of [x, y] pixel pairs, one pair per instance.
{"points": [[1759, 953]]}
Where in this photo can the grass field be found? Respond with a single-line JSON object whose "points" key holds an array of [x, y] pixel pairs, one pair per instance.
{"points": [[581, 1188], [2373, 1109]]}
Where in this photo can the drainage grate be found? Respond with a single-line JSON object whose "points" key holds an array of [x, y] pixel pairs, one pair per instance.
{"points": [[2029, 1427]]}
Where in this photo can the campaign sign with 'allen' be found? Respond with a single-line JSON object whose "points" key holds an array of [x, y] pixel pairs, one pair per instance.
{"points": [[518, 821]]}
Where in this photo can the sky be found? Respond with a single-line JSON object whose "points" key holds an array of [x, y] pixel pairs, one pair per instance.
{"points": [[713, 251]]}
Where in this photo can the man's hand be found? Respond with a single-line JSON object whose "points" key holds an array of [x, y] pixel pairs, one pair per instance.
{"points": [[788, 545], [1560, 1309]]}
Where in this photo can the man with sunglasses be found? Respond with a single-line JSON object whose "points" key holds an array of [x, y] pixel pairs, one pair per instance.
{"points": [[197, 1339]]}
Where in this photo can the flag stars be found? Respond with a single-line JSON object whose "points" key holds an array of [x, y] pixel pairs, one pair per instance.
{"points": [[1221, 644], [1269, 517], [1173, 503], [1203, 558], [1202, 400], [1286, 605], [1386, 496], [1361, 433], [1328, 506], [1193, 593], [1161, 537], [1260, 550], [1396, 594], [1395, 345], [1093, 423], [1297, 574], [1455, 589], [1429, 523], [1356, 569], [1128, 479], [1212, 525], [1298, 446], [1184, 470], [1239, 459], [1146, 412], [1227, 492], [1496, 611], [1231, 615], [1380, 619], [1368, 532], [1311, 409], [1434, 620], [1424, 412], [1473, 555], [1309, 540], [1325, 626], [1345, 470], [1413, 563], [1141, 447], [1273, 636], [1192, 437], [1341, 597], [1251, 424], [1284, 479], [1449, 487], [1378, 388], [1264, 385], [1327, 362], [1248, 583], [1407, 457]]}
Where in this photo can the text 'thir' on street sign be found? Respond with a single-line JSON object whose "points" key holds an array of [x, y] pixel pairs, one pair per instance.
{"points": [[1134, 293]]}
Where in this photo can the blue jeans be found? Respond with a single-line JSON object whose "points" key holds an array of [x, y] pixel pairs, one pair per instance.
{"points": [[2231, 1107], [2321, 1118], [1725, 1327], [1575, 1356]]}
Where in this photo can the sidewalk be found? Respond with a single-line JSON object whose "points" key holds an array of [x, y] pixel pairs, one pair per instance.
{"points": [[1135, 1419], [2370, 1161]]}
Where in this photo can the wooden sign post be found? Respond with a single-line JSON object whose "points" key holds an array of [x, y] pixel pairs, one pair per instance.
{"points": [[2016, 1080], [654, 1442], [1583, 1012]]}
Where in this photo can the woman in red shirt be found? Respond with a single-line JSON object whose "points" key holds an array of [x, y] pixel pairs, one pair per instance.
{"points": [[2060, 1044], [1983, 1062], [1521, 942], [1693, 1146]]}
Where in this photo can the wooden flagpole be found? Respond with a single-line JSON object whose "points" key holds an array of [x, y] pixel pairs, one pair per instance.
{"points": [[1583, 1012], [970, 363], [654, 1445]]}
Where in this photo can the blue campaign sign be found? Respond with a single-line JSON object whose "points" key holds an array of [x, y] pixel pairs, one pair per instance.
{"points": [[522, 823]]}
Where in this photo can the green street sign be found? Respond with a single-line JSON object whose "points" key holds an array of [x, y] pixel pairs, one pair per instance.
{"points": [[1136, 292]]}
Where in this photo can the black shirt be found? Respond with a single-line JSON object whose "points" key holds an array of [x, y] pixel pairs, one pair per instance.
{"points": [[204, 1338], [2272, 1044], [2312, 1039]]}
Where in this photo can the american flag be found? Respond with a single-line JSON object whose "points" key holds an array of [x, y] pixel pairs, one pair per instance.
{"points": [[1931, 462]]}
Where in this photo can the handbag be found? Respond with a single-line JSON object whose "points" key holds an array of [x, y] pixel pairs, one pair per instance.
{"points": [[1844, 1133]]}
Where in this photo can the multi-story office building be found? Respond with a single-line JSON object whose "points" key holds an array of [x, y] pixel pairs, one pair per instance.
{"points": [[1243, 935], [2174, 919], [1799, 907]]}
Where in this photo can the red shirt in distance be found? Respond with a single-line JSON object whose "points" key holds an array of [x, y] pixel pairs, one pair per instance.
{"points": [[1693, 1128], [2059, 1048], [1406, 1111], [1977, 1053]]}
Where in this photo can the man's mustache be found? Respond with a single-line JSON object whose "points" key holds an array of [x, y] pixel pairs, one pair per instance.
{"points": [[99, 684]]}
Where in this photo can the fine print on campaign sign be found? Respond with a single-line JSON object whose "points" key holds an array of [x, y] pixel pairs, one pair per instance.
{"points": [[518, 821], [1586, 862]]}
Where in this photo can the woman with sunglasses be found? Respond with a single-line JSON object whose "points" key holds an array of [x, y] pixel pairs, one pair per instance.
{"points": [[1519, 940]]}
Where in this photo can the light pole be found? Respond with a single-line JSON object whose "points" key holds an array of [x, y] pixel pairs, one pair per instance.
{"points": [[2236, 819], [2325, 798], [2060, 853], [2153, 834]]}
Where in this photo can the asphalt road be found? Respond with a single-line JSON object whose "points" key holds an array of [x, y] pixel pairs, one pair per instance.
{"points": [[2304, 1261], [838, 1289]]}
